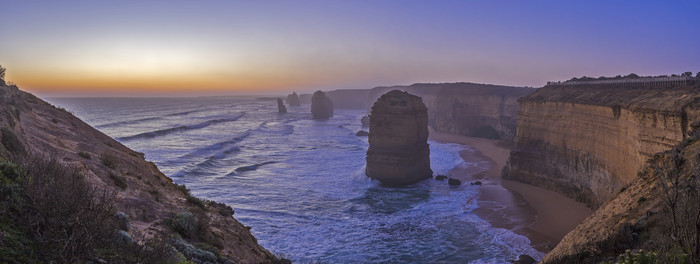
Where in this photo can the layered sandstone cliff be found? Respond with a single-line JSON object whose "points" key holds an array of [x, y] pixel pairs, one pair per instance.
{"points": [[639, 215], [469, 109], [588, 141], [398, 151], [149, 199]]}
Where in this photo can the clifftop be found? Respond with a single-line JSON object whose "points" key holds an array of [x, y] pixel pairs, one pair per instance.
{"points": [[150, 200], [638, 97]]}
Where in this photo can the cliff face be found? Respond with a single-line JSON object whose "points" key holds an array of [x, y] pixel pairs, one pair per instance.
{"points": [[143, 193], [587, 142], [468, 109], [398, 151], [639, 215]]}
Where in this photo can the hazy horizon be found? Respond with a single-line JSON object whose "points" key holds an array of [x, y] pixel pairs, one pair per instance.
{"points": [[86, 48]]}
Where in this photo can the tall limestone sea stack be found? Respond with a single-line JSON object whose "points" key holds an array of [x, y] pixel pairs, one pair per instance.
{"points": [[321, 106], [280, 106], [293, 99], [398, 151]]}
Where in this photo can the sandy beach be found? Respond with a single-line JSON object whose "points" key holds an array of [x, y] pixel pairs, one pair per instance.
{"points": [[543, 216]]}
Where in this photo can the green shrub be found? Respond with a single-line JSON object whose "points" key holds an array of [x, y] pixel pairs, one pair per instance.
{"points": [[108, 160], [11, 142], [84, 155], [118, 179], [196, 201], [185, 224]]}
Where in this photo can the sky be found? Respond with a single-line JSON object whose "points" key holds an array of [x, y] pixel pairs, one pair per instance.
{"points": [[132, 48]]}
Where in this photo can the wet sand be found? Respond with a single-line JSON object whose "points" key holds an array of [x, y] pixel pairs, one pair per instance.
{"points": [[543, 216]]}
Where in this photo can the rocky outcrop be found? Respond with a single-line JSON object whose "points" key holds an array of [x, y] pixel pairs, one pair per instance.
{"points": [[398, 151], [364, 121], [469, 109], [280, 106], [144, 194], [587, 142], [293, 99], [321, 106]]}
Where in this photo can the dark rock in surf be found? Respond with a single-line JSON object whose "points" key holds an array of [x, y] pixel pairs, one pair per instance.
{"points": [[280, 107], [321, 106], [476, 183], [398, 151], [525, 259], [365, 121], [440, 178], [362, 133], [293, 99], [454, 182]]}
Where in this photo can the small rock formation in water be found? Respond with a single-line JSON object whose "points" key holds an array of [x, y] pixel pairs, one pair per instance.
{"points": [[365, 121], [476, 183], [440, 178], [293, 99], [362, 133], [454, 182], [280, 106], [398, 151], [525, 259], [321, 106]]}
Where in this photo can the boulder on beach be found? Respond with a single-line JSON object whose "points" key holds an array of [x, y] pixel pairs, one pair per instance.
{"points": [[293, 99], [321, 106], [398, 151], [280, 106]]}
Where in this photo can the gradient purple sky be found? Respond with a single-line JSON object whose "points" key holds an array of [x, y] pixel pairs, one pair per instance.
{"points": [[262, 47]]}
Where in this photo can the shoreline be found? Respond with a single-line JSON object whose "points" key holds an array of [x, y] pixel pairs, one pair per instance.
{"points": [[543, 216]]}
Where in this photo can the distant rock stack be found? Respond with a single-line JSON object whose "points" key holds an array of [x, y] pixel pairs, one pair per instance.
{"points": [[280, 106], [293, 99], [321, 106], [398, 151]]}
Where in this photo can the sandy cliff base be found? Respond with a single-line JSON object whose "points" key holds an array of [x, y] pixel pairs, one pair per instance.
{"points": [[544, 216]]}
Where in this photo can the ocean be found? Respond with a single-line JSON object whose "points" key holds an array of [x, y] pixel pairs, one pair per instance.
{"points": [[299, 183]]}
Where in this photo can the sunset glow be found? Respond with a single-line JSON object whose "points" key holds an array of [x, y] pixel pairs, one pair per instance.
{"points": [[250, 47]]}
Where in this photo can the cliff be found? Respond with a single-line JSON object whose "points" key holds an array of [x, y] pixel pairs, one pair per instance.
{"points": [[398, 151], [469, 109], [588, 141], [152, 204], [657, 212]]}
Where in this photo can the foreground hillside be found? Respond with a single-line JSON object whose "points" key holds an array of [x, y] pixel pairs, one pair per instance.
{"points": [[43, 147]]}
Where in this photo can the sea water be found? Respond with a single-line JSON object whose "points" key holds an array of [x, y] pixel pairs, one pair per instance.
{"points": [[300, 184]]}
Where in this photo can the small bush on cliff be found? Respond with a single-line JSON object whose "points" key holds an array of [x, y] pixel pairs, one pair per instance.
{"points": [[108, 160], [11, 142], [679, 180]]}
